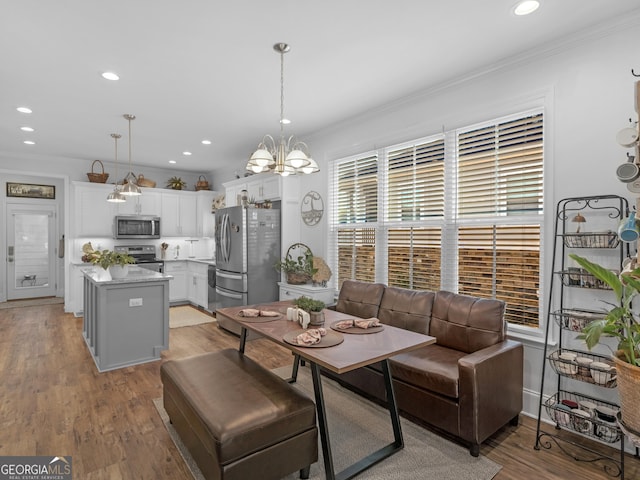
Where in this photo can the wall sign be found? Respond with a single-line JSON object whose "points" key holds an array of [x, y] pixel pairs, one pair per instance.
{"points": [[312, 208], [28, 190]]}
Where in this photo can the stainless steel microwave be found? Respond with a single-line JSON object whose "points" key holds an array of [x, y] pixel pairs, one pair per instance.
{"points": [[136, 226]]}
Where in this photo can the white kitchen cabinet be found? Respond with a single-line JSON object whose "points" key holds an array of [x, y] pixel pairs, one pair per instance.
{"points": [[205, 218], [178, 214], [74, 297], [197, 283], [291, 292], [178, 284], [267, 188], [146, 204], [232, 193], [261, 187], [93, 214]]}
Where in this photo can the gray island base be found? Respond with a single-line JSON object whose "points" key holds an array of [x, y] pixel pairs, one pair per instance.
{"points": [[126, 321]]}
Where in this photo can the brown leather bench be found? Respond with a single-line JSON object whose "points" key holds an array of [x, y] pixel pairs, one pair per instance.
{"points": [[237, 419]]}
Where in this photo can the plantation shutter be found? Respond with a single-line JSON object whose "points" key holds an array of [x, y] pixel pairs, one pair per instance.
{"points": [[502, 262], [413, 258], [500, 168], [355, 195], [415, 183]]}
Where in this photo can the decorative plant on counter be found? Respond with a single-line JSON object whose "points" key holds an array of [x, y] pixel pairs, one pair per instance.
{"points": [[300, 270], [105, 258], [313, 308], [622, 323], [176, 183], [309, 304]]}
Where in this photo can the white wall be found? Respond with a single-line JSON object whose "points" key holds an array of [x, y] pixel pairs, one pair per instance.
{"points": [[588, 92]]}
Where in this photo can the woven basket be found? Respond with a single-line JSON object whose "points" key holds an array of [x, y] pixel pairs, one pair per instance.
{"points": [[144, 182], [629, 390], [97, 177], [297, 278], [202, 183]]}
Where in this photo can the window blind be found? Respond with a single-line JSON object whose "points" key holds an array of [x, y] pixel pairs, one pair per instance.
{"points": [[413, 258], [500, 168], [502, 262], [415, 181]]}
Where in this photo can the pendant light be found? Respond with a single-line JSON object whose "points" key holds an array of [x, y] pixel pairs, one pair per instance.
{"points": [[116, 196], [130, 188], [288, 156]]}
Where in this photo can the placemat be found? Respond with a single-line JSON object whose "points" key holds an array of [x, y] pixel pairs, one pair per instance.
{"points": [[331, 339], [356, 330]]}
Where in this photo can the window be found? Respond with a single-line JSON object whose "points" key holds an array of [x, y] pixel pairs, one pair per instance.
{"points": [[461, 211]]}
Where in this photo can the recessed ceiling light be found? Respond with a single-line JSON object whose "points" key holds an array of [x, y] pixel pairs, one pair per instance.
{"points": [[206, 142], [172, 161], [24, 109], [526, 7], [110, 76], [285, 121], [186, 153], [29, 142], [26, 129]]}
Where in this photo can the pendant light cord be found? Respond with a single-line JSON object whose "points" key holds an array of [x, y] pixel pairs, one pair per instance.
{"points": [[282, 95]]}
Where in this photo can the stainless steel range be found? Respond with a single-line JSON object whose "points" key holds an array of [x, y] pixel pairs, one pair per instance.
{"points": [[145, 256]]}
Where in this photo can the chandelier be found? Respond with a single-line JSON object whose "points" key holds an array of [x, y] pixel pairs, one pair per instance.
{"points": [[130, 187], [116, 196], [287, 156]]}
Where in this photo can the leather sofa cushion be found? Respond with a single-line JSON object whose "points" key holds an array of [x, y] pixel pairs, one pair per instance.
{"points": [[433, 368], [407, 309], [361, 299], [257, 409], [467, 323]]}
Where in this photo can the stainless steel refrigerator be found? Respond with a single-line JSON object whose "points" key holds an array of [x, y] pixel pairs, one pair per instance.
{"points": [[247, 248]]}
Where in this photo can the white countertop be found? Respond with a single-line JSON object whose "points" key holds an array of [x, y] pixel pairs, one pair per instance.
{"points": [[135, 275], [208, 261]]}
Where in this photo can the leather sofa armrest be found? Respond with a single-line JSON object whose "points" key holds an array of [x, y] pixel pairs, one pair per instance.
{"points": [[491, 382]]}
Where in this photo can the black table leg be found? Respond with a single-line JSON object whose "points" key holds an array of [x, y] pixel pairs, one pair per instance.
{"points": [[322, 422], [294, 370], [371, 459], [243, 339]]}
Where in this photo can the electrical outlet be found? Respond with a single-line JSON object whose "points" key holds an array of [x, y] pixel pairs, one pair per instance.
{"points": [[135, 302]]}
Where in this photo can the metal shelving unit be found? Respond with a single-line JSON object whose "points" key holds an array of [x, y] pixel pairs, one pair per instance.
{"points": [[571, 409]]}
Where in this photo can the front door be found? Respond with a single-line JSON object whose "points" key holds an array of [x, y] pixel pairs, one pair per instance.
{"points": [[30, 251]]}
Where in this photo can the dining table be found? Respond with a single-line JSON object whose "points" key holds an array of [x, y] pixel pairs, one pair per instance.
{"points": [[341, 352]]}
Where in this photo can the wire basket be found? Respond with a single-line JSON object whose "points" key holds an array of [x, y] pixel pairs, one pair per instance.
{"points": [[303, 255], [608, 239], [97, 177], [584, 366], [584, 415], [575, 319], [579, 277]]}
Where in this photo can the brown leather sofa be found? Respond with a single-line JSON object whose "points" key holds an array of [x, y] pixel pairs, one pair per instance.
{"points": [[469, 383]]}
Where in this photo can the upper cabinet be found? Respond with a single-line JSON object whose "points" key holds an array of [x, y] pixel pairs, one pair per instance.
{"points": [[178, 214], [146, 204], [205, 219], [261, 187], [93, 214], [183, 214]]}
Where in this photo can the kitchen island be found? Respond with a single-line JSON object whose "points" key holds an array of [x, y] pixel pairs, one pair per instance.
{"points": [[126, 321]]}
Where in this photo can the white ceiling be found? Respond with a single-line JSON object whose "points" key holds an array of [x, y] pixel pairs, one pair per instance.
{"points": [[200, 69]]}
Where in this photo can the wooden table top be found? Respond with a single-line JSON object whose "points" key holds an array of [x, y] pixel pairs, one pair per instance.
{"points": [[357, 350]]}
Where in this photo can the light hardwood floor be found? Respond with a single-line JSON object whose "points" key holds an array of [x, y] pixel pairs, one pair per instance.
{"points": [[54, 402]]}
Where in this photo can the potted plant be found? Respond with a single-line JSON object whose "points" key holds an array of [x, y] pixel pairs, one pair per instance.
{"points": [[176, 183], [313, 307], [299, 270], [117, 263], [623, 323]]}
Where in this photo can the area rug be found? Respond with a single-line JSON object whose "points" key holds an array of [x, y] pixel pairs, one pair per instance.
{"points": [[186, 316], [358, 427], [31, 302]]}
